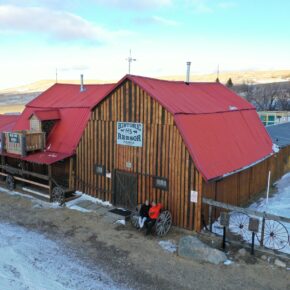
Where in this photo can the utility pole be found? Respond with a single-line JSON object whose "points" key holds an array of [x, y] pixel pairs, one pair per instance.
{"points": [[130, 60]]}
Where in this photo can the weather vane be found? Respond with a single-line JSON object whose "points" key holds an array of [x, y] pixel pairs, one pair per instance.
{"points": [[130, 59]]}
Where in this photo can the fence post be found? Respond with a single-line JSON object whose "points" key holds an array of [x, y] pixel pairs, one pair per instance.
{"points": [[23, 144], [210, 218], [262, 231]]}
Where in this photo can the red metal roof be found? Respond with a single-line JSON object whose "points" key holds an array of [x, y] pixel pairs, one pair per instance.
{"points": [[47, 115], [69, 96], [222, 143], [66, 133], [7, 122], [71, 106], [45, 157], [193, 98]]}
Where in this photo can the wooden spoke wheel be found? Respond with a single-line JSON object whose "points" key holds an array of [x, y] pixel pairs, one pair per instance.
{"points": [[134, 217], [10, 182], [239, 224], [58, 195], [276, 236], [163, 223]]}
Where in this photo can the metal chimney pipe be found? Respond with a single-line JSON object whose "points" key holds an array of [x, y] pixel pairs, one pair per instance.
{"points": [[188, 72], [82, 84]]}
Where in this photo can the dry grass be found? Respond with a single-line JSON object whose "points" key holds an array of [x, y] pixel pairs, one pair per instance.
{"points": [[239, 77]]}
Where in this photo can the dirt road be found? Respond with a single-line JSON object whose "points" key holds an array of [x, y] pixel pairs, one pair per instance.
{"points": [[134, 261]]}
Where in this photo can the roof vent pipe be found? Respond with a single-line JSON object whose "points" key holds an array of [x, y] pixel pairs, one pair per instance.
{"points": [[188, 72], [82, 89]]}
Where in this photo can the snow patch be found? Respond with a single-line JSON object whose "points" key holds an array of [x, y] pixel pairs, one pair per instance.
{"points": [[228, 262], [31, 261], [275, 148], [121, 222], [168, 246], [85, 196]]}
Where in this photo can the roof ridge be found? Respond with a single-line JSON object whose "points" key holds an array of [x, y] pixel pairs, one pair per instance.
{"points": [[170, 81]]}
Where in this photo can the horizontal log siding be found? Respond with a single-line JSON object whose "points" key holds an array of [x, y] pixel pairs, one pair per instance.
{"points": [[163, 153]]}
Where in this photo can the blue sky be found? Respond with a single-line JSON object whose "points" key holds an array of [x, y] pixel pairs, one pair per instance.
{"points": [[93, 37]]}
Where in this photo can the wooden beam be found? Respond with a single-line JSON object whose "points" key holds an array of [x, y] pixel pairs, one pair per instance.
{"points": [[245, 210], [21, 172], [31, 182]]}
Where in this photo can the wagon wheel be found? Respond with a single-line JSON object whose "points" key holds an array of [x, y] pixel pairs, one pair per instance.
{"points": [[239, 224], [163, 223], [134, 218], [58, 195], [10, 182], [276, 236]]}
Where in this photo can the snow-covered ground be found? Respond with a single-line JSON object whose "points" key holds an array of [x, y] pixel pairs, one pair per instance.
{"points": [[278, 204], [30, 261]]}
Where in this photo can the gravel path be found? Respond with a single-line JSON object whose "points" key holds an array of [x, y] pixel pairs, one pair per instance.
{"points": [[125, 257]]}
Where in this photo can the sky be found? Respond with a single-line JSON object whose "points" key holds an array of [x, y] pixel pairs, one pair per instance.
{"points": [[94, 37]]}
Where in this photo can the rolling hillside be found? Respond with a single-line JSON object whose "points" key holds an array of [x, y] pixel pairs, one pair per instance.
{"points": [[14, 99]]}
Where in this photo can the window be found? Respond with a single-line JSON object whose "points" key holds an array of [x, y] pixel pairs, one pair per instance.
{"points": [[35, 124], [100, 169], [161, 183]]}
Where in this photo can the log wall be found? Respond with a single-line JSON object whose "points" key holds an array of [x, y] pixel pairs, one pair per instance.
{"points": [[244, 187]]}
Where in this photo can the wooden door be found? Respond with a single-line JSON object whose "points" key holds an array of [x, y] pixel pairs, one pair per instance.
{"points": [[125, 190]]}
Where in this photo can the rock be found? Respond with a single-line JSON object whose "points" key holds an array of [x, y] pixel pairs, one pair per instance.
{"points": [[192, 248], [264, 257], [280, 263], [242, 252]]}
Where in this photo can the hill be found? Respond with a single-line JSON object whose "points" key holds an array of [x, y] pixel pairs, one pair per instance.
{"points": [[238, 77], [250, 84]]}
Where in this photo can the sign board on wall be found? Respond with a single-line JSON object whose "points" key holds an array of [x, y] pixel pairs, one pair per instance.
{"points": [[13, 138], [130, 134], [193, 196]]}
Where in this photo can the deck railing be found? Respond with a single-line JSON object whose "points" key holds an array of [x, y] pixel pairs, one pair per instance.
{"points": [[22, 142]]}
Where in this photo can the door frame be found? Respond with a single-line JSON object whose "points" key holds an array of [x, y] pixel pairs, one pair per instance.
{"points": [[115, 182]]}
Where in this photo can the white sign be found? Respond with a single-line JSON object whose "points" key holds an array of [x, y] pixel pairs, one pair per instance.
{"points": [[130, 134], [193, 196]]}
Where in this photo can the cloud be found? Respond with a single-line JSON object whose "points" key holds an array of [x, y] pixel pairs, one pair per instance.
{"points": [[227, 5], [55, 4], [58, 25], [200, 6], [156, 20], [134, 4]]}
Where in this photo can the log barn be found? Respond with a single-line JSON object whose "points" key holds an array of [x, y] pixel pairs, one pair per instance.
{"points": [[172, 142]]}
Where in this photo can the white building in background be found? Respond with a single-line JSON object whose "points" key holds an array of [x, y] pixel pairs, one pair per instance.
{"points": [[274, 117]]}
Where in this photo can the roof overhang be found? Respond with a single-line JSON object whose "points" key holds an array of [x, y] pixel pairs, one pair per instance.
{"points": [[45, 115]]}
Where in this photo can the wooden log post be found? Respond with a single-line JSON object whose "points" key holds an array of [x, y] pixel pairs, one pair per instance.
{"points": [[23, 144], [2, 148], [72, 184], [198, 206], [50, 181]]}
